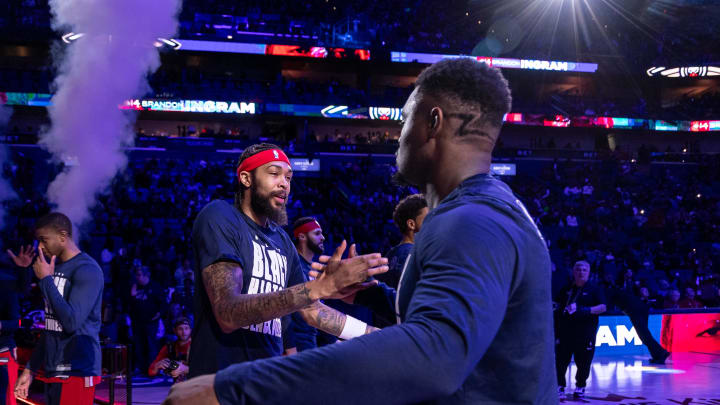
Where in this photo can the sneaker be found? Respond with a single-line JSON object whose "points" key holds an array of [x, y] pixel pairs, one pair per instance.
{"points": [[579, 393], [661, 359], [561, 392]]}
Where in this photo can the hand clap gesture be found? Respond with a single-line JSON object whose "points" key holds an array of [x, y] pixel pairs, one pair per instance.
{"points": [[340, 278]]}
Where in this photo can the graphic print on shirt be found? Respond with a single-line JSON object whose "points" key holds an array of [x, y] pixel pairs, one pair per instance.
{"points": [[269, 273], [51, 321]]}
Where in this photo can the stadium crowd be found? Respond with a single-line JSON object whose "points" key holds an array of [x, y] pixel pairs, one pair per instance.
{"points": [[649, 228]]}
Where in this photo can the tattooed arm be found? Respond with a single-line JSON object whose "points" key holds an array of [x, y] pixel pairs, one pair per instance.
{"points": [[234, 310], [328, 320]]}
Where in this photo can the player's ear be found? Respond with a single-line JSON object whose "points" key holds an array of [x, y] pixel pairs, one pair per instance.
{"points": [[245, 178], [411, 224]]}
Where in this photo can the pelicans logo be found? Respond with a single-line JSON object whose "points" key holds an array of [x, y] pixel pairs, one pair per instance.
{"points": [[385, 113]]}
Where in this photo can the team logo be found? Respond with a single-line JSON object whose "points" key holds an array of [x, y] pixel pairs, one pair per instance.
{"points": [[276, 154], [685, 71], [384, 113]]}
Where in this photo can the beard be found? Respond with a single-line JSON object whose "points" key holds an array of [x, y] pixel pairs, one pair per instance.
{"points": [[401, 181], [315, 247], [262, 206]]}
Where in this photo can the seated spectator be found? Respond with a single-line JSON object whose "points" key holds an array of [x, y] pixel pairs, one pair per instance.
{"points": [[183, 272], [672, 301], [689, 301], [173, 357]]}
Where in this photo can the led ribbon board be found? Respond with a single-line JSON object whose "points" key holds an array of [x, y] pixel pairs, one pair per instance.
{"points": [[193, 106], [372, 112], [685, 71], [250, 48], [504, 63]]}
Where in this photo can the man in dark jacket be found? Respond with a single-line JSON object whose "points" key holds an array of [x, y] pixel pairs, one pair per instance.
{"points": [[578, 306]]}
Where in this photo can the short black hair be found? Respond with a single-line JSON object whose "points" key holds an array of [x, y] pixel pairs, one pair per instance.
{"points": [[56, 221], [300, 222], [470, 82], [181, 320], [408, 208], [249, 151]]}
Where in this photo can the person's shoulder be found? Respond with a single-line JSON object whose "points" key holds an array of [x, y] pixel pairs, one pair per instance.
{"points": [[87, 264], [87, 260], [283, 235], [465, 218], [218, 212], [403, 249], [217, 207]]}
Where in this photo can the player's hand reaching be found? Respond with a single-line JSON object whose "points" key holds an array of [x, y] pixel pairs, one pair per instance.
{"points": [[197, 391], [24, 257], [342, 278]]}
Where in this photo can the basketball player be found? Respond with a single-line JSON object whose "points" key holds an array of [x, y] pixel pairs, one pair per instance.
{"points": [[408, 217], [248, 273], [308, 237], [473, 304], [69, 350]]}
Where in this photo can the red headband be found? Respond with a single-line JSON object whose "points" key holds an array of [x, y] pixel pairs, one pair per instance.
{"points": [[305, 228], [261, 158]]}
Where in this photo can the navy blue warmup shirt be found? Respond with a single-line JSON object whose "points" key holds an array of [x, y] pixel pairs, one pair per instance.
{"points": [[299, 334], [70, 345], [476, 326], [396, 262], [269, 262]]}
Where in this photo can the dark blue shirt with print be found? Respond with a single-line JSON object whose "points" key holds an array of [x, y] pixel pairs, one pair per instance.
{"points": [[269, 263], [475, 321]]}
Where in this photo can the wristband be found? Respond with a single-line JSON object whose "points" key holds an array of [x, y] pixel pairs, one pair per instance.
{"points": [[353, 328]]}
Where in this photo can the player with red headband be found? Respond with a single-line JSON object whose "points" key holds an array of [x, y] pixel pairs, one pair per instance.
{"points": [[248, 273], [308, 236]]}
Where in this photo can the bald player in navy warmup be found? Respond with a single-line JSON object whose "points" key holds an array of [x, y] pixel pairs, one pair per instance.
{"points": [[473, 304]]}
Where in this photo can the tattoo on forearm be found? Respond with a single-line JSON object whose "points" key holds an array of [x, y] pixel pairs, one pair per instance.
{"points": [[233, 310], [325, 318], [470, 124]]}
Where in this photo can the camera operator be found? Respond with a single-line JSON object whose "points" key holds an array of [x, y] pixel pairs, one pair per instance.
{"points": [[173, 357]]}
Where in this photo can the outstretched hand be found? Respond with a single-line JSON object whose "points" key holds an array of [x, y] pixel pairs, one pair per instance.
{"points": [[333, 268], [24, 257], [197, 391]]}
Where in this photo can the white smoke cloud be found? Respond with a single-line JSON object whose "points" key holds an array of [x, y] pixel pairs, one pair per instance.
{"points": [[6, 190], [96, 74]]}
